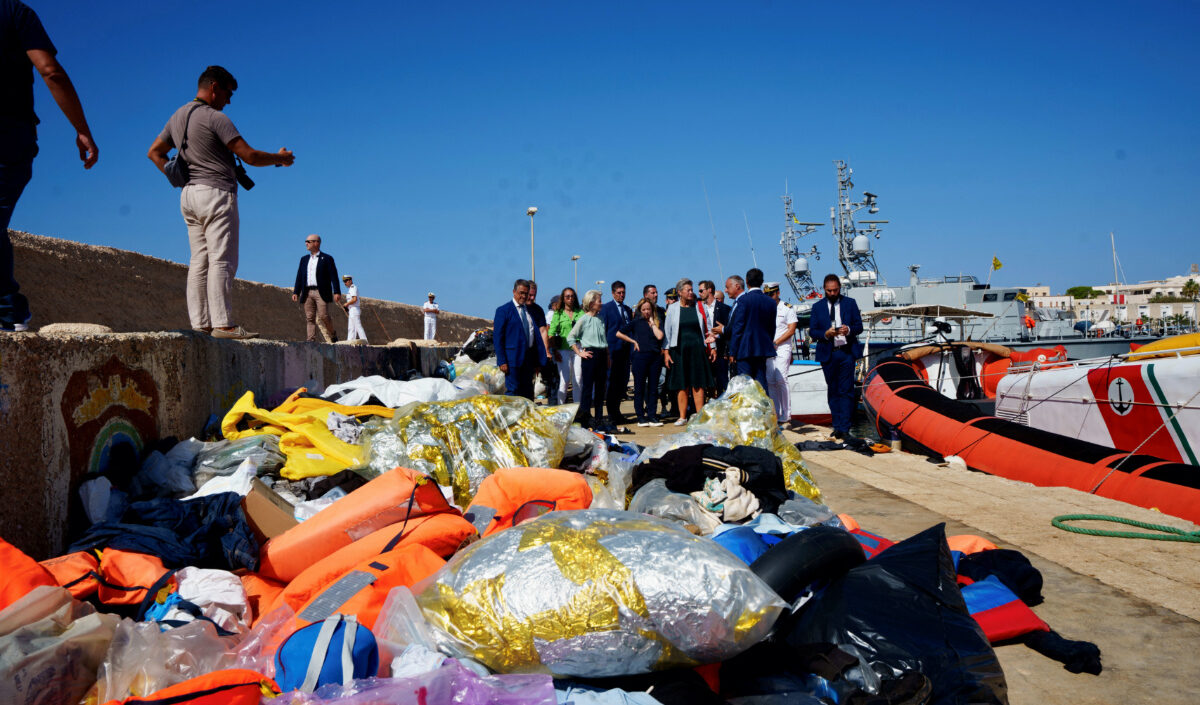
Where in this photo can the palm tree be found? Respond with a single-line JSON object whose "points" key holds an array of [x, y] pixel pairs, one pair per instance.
{"points": [[1191, 290]]}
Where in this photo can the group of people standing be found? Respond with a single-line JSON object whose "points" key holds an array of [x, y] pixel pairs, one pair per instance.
{"points": [[595, 346]]}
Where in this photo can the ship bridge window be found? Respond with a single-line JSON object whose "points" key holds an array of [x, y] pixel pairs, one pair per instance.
{"points": [[989, 297], [1010, 295]]}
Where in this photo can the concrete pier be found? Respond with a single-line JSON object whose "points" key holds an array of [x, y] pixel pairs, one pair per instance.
{"points": [[67, 401]]}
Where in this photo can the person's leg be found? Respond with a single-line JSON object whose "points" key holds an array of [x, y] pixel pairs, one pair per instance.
{"points": [[195, 214], [640, 365], [222, 236], [15, 172], [428, 329], [354, 329], [618, 382], [681, 400], [599, 380], [782, 365], [845, 392], [566, 374], [698, 398], [777, 388], [583, 392], [721, 374], [310, 315], [323, 312], [759, 365], [652, 377], [529, 369]]}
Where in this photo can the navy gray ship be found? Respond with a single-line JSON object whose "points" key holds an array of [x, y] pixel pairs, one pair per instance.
{"points": [[959, 307]]}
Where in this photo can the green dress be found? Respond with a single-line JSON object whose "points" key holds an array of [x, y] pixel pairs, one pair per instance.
{"points": [[690, 368]]}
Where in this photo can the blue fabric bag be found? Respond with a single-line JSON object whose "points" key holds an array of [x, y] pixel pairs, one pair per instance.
{"points": [[337, 650]]}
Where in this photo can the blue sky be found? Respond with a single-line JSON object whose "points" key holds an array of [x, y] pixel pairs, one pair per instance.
{"points": [[424, 130]]}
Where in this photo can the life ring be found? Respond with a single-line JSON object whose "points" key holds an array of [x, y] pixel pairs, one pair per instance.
{"points": [[885, 320], [820, 552]]}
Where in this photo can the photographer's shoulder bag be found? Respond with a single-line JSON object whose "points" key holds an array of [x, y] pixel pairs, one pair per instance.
{"points": [[176, 167]]}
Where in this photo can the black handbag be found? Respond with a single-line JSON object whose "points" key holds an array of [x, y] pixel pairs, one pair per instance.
{"points": [[176, 167]]}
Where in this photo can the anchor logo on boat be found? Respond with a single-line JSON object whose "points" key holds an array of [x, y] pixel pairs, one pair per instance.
{"points": [[1117, 398]]}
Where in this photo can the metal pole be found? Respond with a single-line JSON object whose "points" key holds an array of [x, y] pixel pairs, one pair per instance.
{"points": [[532, 268]]}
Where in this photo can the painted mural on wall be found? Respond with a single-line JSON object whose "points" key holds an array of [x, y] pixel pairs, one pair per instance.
{"points": [[106, 407]]}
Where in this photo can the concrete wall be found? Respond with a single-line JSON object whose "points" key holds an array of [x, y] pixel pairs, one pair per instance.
{"points": [[67, 401], [70, 282]]}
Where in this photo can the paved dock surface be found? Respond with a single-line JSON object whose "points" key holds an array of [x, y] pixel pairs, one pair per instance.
{"points": [[1138, 600]]}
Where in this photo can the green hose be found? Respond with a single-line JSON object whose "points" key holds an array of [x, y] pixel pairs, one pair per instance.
{"points": [[1169, 533]]}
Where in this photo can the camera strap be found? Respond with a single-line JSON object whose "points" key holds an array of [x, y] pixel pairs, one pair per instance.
{"points": [[186, 123]]}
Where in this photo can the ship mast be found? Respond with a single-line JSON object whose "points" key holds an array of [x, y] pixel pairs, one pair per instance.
{"points": [[854, 245], [798, 271]]}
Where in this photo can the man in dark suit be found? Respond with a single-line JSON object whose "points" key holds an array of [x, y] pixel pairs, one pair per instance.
{"points": [[752, 328], [317, 285], [516, 334], [836, 324], [616, 315]]}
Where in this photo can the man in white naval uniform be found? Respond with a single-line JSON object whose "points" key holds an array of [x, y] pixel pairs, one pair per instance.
{"points": [[354, 330], [785, 332], [431, 314]]}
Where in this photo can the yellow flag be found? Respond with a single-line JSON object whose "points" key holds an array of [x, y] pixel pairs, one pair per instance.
{"points": [[996, 262], [1022, 297], [797, 222]]}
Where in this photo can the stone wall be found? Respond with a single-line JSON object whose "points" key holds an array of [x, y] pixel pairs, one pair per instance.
{"points": [[68, 402], [71, 282]]}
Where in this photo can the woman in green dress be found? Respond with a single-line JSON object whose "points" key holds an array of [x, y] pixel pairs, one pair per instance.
{"points": [[687, 357]]}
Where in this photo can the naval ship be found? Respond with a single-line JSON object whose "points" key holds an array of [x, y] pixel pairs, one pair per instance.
{"points": [[956, 306]]}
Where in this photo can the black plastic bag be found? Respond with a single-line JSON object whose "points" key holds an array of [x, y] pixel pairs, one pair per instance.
{"points": [[900, 613], [480, 346]]}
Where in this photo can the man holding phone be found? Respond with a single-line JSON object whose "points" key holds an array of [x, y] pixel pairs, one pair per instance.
{"points": [[836, 324]]}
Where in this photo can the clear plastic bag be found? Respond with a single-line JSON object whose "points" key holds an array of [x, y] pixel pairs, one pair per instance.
{"points": [[224, 457], [458, 443], [615, 470], [257, 651], [742, 416], [595, 593], [142, 659], [50, 646], [655, 499], [484, 372]]}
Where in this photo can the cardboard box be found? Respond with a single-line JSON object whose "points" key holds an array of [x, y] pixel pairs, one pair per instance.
{"points": [[268, 514]]}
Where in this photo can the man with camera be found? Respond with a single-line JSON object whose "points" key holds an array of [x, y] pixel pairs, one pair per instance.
{"points": [[210, 144]]}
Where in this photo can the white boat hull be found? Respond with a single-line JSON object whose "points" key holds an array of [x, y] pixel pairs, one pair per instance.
{"points": [[1150, 406], [808, 393]]}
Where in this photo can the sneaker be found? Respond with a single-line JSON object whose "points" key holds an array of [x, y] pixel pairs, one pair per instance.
{"points": [[238, 333], [643, 424], [208, 330], [655, 422], [680, 422]]}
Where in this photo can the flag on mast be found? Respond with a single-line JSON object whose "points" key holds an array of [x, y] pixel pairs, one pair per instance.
{"points": [[996, 262]]}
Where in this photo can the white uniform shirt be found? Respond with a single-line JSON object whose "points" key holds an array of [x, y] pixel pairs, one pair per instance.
{"points": [[430, 306], [352, 293], [784, 316]]}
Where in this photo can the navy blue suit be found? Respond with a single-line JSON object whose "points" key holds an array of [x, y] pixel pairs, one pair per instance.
{"points": [[616, 316], [721, 366], [837, 362], [511, 339], [752, 334]]}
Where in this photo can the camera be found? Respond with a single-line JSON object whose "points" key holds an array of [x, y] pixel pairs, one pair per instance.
{"points": [[242, 177]]}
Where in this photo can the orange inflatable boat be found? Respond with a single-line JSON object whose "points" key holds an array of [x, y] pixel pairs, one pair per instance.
{"points": [[898, 398]]}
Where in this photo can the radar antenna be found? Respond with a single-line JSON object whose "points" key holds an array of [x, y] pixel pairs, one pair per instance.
{"points": [[799, 273], [854, 245]]}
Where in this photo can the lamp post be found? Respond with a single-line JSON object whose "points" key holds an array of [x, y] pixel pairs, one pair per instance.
{"points": [[575, 259], [530, 211]]}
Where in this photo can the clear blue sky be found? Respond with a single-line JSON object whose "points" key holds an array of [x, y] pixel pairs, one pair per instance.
{"points": [[424, 130]]}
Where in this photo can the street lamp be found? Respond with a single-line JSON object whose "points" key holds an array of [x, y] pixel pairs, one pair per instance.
{"points": [[530, 211], [575, 259]]}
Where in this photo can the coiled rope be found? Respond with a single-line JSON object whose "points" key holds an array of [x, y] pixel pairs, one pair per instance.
{"points": [[1168, 533]]}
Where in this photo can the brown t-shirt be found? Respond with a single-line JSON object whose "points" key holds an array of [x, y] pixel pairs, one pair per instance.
{"points": [[210, 162]]}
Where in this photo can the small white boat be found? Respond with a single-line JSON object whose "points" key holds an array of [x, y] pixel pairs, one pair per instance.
{"points": [[1146, 401]]}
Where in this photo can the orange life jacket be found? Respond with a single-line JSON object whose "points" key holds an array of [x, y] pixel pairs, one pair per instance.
{"points": [[116, 577], [78, 572], [20, 574], [512, 495], [386, 500], [234, 686], [442, 534]]}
